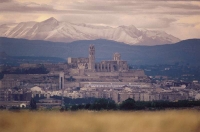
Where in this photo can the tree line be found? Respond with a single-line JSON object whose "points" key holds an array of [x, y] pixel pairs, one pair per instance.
{"points": [[131, 104], [127, 105]]}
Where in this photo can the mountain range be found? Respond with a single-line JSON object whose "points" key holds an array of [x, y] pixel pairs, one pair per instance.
{"points": [[53, 30], [186, 51]]}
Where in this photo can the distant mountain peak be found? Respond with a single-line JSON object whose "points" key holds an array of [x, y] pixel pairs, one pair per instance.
{"points": [[50, 20], [53, 30], [129, 26]]}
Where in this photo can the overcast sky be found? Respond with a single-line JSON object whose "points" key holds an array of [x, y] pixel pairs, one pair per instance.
{"points": [[180, 18]]}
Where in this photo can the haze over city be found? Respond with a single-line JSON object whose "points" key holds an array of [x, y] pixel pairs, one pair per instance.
{"points": [[178, 18]]}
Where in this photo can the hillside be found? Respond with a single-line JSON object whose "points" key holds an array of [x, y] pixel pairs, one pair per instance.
{"points": [[186, 51]]}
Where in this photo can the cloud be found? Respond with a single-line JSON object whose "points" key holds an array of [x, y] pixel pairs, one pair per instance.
{"points": [[5, 1], [184, 31], [132, 7], [105, 7], [24, 8], [151, 14]]}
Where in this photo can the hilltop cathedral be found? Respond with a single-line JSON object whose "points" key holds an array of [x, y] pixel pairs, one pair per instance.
{"points": [[115, 65], [116, 70]]}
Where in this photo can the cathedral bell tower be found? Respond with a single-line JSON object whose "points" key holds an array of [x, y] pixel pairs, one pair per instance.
{"points": [[116, 57], [91, 64]]}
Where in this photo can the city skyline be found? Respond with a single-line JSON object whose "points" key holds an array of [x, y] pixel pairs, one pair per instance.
{"points": [[179, 18]]}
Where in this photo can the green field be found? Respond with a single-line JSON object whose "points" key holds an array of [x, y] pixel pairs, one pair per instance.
{"points": [[89, 121]]}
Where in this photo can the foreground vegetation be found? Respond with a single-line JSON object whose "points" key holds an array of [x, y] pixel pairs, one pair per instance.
{"points": [[130, 104], [89, 121], [102, 104]]}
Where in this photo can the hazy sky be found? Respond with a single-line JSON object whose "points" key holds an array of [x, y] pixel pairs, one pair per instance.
{"points": [[180, 18]]}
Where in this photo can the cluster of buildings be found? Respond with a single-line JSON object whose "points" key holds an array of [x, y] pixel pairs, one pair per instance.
{"points": [[119, 92], [84, 78]]}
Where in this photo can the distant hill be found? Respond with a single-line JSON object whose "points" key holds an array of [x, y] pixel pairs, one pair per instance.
{"points": [[17, 60], [186, 51], [3, 55]]}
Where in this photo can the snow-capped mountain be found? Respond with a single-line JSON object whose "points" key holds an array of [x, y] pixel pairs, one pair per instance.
{"points": [[53, 30]]}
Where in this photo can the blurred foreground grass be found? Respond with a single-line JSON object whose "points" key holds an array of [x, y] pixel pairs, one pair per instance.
{"points": [[87, 121]]}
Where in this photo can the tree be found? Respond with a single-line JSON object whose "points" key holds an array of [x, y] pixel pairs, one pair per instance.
{"points": [[105, 104], [74, 108], [87, 106], [14, 108], [62, 109], [33, 105], [128, 104], [2, 107]]}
